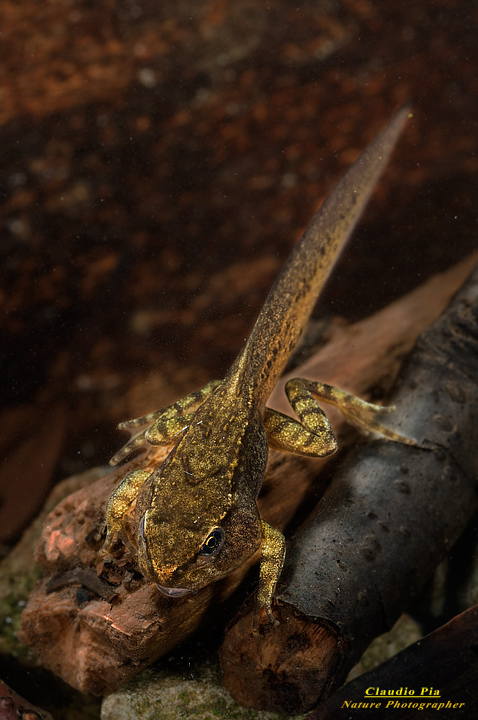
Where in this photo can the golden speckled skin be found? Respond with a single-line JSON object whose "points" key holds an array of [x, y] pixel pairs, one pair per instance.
{"points": [[196, 516], [210, 479]]}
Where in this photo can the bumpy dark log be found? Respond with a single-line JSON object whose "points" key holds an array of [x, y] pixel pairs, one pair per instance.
{"points": [[377, 534]]}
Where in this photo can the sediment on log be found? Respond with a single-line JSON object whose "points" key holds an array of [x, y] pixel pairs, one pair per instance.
{"points": [[387, 520], [97, 636], [438, 673]]}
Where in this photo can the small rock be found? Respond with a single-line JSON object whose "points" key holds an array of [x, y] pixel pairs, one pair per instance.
{"points": [[160, 693]]}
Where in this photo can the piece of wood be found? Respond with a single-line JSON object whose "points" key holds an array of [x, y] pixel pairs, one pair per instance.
{"points": [[387, 520], [437, 673], [14, 707], [96, 643]]}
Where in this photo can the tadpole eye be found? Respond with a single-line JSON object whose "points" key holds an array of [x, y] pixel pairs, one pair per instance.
{"points": [[213, 543]]}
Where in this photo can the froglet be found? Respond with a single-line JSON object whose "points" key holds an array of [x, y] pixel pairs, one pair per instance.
{"points": [[196, 517]]}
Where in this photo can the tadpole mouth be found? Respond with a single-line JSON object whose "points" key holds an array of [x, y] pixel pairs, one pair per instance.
{"points": [[172, 592]]}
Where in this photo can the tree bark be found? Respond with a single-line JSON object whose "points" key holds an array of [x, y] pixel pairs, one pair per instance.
{"points": [[381, 528]]}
